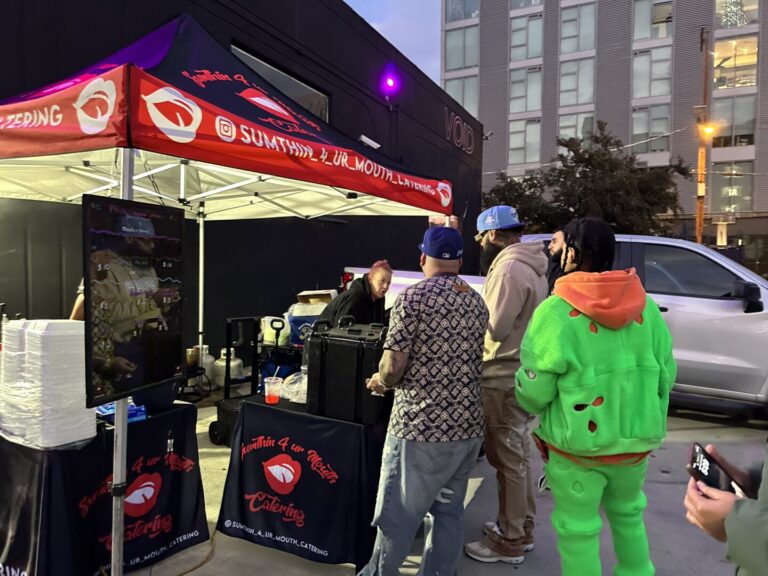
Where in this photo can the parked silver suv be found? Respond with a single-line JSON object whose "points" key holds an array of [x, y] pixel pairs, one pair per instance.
{"points": [[713, 307]]}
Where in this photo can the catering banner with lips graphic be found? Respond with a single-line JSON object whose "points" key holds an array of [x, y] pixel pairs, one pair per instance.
{"points": [[294, 483], [180, 123], [79, 114], [164, 506], [59, 522]]}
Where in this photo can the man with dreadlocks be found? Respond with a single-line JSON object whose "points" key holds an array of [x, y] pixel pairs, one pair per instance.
{"points": [[597, 366]]}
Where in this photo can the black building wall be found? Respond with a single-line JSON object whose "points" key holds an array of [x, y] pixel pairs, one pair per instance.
{"points": [[41, 259], [256, 267]]}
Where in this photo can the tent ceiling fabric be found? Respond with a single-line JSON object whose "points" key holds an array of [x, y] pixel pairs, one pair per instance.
{"points": [[228, 193]]}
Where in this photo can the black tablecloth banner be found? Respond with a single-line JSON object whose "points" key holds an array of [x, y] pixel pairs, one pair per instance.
{"points": [[301, 484], [19, 507], [60, 521]]}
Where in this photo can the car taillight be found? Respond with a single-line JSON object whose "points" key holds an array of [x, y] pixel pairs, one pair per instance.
{"points": [[346, 278]]}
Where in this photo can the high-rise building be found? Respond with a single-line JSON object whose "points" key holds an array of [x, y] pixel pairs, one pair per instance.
{"points": [[533, 70]]}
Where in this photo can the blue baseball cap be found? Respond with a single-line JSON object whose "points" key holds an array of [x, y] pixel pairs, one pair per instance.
{"points": [[498, 218], [442, 243]]}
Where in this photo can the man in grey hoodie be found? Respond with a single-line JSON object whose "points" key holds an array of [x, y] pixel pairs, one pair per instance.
{"points": [[515, 284]]}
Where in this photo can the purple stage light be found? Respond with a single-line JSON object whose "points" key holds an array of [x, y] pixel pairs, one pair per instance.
{"points": [[390, 82]]}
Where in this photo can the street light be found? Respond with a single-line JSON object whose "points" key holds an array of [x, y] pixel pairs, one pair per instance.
{"points": [[706, 132]]}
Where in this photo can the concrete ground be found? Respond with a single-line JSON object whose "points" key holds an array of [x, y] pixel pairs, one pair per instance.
{"points": [[677, 547]]}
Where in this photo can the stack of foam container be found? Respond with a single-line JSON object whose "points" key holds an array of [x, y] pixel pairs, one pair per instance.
{"points": [[12, 359], [44, 401]]}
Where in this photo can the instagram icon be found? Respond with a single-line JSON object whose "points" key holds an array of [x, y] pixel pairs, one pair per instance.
{"points": [[225, 129]]}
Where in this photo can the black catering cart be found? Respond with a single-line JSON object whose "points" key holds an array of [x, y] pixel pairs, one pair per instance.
{"points": [[340, 360]]}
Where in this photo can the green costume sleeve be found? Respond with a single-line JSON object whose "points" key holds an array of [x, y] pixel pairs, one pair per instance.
{"points": [[541, 360], [535, 389]]}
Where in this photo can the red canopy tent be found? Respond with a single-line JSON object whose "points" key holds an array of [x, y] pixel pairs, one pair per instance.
{"points": [[208, 128]]}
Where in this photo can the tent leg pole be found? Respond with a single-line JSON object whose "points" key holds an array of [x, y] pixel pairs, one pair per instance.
{"points": [[121, 416], [201, 282]]}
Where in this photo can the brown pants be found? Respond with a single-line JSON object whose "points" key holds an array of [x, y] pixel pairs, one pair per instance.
{"points": [[508, 447]]}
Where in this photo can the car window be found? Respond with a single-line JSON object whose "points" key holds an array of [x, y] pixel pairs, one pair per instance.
{"points": [[672, 270]]}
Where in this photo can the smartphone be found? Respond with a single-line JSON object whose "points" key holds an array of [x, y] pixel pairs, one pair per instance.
{"points": [[702, 467]]}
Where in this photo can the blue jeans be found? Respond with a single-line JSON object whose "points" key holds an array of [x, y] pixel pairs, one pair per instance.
{"points": [[420, 478]]}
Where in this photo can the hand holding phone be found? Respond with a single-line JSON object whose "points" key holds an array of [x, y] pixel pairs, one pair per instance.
{"points": [[703, 467]]}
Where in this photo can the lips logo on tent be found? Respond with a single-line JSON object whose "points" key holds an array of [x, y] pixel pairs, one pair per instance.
{"points": [[142, 494], [260, 99], [282, 473], [95, 105], [174, 114], [445, 193]]}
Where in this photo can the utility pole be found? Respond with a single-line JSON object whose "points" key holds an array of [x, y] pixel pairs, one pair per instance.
{"points": [[701, 113]]}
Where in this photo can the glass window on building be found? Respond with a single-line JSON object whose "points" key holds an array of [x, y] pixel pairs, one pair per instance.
{"points": [[735, 61], [456, 10], [305, 96], [650, 129], [577, 82], [524, 90], [461, 48], [736, 13], [735, 120], [732, 185], [577, 28], [464, 91], [516, 4], [652, 72], [652, 20], [576, 126], [524, 141], [526, 34]]}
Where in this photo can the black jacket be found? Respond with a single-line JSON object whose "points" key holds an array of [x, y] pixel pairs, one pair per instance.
{"points": [[553, 273], [357, 302]]}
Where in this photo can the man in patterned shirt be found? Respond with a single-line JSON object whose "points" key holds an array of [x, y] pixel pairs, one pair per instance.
{"points": [[432, 360]]}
